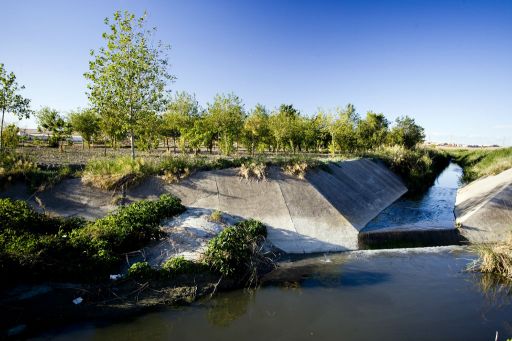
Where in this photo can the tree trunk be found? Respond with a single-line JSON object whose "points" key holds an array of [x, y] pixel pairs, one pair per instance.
{"points": [[132, 144], [2, 131]]}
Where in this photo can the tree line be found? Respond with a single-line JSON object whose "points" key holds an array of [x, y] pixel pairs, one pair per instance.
{"points": [[129, 100]]}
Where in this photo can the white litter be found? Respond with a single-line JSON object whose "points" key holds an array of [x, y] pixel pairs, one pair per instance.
{"points": [[115, 277], [78, 300]]}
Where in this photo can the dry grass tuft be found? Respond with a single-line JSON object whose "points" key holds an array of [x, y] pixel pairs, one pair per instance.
{"points": [[254, 170], [216, 217], [297, 169]]}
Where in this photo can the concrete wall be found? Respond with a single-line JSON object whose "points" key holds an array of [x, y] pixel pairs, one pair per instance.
{"points": [[322, 213], [483, 208]]}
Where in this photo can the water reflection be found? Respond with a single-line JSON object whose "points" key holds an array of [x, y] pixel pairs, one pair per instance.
{"points": [[399, 295]]}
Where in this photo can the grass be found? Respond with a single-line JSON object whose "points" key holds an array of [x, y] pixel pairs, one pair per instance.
{"points": [[35, 246], [15, 167], [479, 163], [112, 174], [494, 259]]}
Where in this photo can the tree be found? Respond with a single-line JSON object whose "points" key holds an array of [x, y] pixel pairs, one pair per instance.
{"points": [[345, 129], [10, 137], [128, 76], [285, 127], [179, 117], [256, 129], [406, 133], [10, 99], [372, 131], [87, 123], [226, 115], [50, 120]]}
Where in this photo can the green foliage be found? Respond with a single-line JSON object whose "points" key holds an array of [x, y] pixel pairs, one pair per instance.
{"points": [[142, 271], [255, 134], [418, 168], [406, 133], [10, 138], [35, 246], [114, 173], [128, 78], [86, 123], [372, 131], [14, 166], [226, 114], [478, 163], [175, 266], [231, 252], [10, 99], [132, 226], [51, 121]]}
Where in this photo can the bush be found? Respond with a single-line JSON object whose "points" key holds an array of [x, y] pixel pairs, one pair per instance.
{"points": [[179, 265], [232, 251], [112, 174], [132, 226], [142, 271], [34, 246]]}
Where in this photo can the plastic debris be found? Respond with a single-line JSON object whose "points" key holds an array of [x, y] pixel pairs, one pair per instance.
{"points": [[115, 277], [78, 300]]}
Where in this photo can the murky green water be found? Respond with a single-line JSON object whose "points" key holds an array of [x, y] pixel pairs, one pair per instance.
{"points": [[418, 294]]}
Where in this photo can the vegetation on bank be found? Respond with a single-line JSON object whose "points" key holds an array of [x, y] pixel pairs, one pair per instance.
{"points": [[495, 258], [234, 253], [477, 163], [418, 167], [35, 246]]}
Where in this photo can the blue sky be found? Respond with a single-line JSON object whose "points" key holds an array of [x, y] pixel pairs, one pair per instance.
{"points": [[448, 64]]}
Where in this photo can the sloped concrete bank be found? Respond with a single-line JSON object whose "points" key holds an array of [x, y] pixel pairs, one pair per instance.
{"points": [[483, 209], [321, 213]]}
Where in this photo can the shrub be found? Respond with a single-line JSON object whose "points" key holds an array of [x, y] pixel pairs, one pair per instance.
{"points": [[179, 265], [233, 251], [176, 168], [216, 217], [142, 271], [114, 173], [130, 227], [35, 246]]}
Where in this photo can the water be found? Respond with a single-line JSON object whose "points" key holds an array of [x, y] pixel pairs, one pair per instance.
{"points": [[432, 210], [420, 294]]}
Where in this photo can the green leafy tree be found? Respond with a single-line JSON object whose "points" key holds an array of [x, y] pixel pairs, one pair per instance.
{"points": [[87, 123], [128, 76], [256, 129], [51, 121], [10, 137], [372, 131], [406, 133], [10, 99], [345, 129], [182, 111], [226, 114], [285, 127]]}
